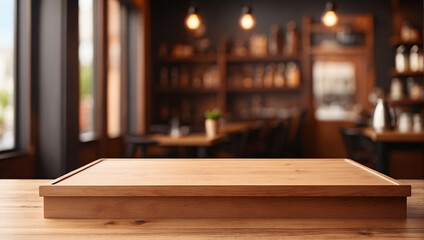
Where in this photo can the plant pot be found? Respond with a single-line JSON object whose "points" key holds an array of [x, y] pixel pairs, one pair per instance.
{"points": [[211, 127]]}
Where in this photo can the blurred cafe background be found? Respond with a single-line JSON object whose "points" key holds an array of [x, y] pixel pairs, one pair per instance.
{"points": [[82, 80]]}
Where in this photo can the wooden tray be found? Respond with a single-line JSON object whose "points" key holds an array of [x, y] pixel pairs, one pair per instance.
{"points": [[224, 188]]}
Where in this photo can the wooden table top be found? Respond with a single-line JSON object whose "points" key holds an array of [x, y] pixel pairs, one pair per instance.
{"points": [[190, 140], [394, 136], [225, 177], [22, 218], [234, 127]]}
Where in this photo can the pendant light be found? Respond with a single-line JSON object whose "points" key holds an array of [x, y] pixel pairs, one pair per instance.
{"points": [[247, 20], [192, 20], [329, 18]]}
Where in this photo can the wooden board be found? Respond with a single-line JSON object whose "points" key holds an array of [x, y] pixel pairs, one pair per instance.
{"points": [[224, 188], [22, 218], [191, 140], [394, 136]]}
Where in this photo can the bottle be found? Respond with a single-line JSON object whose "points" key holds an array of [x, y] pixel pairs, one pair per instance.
{"points": [[292, 39], [274, 40], [184, 77], [401, 60], [269, 76], [414, 58], [292, 75], [417, 123], [174, 77], [163, 78], [259, 75], [280, 79], [396, 89]]}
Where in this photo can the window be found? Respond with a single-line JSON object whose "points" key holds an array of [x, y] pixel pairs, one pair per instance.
{"points": [[86, 61], [114, 70], [334, 90], [7, 75]]}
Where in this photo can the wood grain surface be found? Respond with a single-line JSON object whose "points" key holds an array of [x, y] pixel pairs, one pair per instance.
{"points": [[394, 136], [21, 213], [225, 177], [225, 188]]}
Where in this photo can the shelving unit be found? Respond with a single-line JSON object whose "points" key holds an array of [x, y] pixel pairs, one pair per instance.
{"points": [[223, 96]]}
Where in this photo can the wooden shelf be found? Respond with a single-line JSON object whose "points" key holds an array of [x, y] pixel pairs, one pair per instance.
{"points": [[396, 41], [192, 59], [263, 89], [185, 90], [268, 58], [338, 49], [320, 28], [405, 101], [394, 73]]}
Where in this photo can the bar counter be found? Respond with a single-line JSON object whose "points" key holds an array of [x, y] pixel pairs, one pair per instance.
{"points": [[21, 211]]}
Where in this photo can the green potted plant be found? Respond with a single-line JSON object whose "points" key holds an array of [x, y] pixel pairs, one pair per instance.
{"points": [[4, 102], [211, 122]]}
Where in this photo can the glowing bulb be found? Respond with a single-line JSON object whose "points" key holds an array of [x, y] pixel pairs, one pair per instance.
{"points": [[193, 20], [329, 18], [247, 21]]}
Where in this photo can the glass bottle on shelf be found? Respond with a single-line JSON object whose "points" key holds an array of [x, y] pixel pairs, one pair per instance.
{"points": [[259, 75], [174, 77], [415, 59], [396, 89], [280, 79], [269, 76], [163, 78], [401, 59], [292, 75], [184, 77], [247, 76], [292, 39], [274, 40], [196, 78]]}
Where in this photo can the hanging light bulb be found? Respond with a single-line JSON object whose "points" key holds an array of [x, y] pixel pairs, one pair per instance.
{"points": [[247, 20], [192, 20], [329, 18]]}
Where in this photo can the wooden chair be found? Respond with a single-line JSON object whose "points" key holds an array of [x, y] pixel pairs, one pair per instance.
{"points": [[358, 147], [138, 141], [293, 147], [278, 138]]}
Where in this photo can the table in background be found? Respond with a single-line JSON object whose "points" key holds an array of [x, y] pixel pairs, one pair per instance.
{"points": [[389, 139], [21, 212], [195, 140]]}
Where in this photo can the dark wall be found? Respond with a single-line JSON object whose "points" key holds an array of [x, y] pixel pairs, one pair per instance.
{"points": [[221, 18]]}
